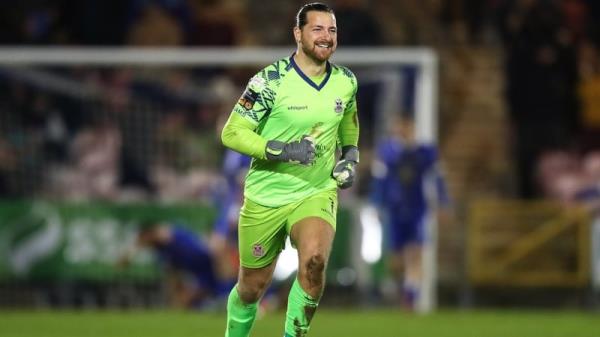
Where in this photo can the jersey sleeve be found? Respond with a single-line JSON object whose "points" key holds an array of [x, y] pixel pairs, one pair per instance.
{"points": [[238, 134], [255, 104], [351, 106], [443, 197], [257, 100], [349, 129]]}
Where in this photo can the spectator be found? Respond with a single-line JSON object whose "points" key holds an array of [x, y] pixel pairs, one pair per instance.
{"points": [[556, 174], [264, 25], [214, 24], [568, 179], [155, 27], [408, 22], [589, 194], [593, 29], [357, 26], [8, 164], [575, 18], [589, 94], [541, 84], [96, 153], [94, 22]]}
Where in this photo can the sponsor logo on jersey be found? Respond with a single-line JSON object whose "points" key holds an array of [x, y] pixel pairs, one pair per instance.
{"points": [[297, 107], [339, 106], [258, 250]]}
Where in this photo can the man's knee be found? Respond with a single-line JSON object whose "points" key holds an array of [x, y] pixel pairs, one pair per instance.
{"points": [[250, 293], [316, 263], [313, 269], [251, 289]]}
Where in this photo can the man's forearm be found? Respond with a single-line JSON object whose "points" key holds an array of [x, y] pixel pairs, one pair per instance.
{"points": [[238, 135]]}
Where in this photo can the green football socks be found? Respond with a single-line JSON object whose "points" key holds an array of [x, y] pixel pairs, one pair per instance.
{"points": [[300, 310], [240, 316]]}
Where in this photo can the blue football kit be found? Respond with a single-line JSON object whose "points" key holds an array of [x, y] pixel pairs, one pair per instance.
{"points": [[188, 253], [229, 202], [400, 178]]}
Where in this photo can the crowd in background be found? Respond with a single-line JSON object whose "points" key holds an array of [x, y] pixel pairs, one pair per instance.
{"points": [[552, 85], [119, 134]]}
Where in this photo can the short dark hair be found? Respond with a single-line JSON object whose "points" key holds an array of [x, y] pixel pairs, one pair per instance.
{"points": [[313, 6]]}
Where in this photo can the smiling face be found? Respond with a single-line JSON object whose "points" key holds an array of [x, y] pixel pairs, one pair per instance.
{"points": [[317, 39]]}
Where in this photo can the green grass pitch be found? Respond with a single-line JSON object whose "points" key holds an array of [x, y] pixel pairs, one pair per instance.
{"points": [[327, 323]]}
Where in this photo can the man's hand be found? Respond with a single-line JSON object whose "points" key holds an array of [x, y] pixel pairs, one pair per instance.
{"points": [[296, 152], [345, 169]]}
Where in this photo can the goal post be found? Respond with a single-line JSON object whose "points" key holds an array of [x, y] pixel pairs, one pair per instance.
{"points": [[425, 89]]}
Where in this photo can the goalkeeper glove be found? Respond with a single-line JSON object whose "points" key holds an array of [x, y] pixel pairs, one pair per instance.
{"points": [[345, 169], [297, 152]]}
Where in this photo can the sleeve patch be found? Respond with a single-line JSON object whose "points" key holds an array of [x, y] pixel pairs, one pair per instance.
{"points": [[255, 86], [248, 98]]}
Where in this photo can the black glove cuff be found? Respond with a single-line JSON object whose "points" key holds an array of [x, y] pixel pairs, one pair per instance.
{"points": [[274, 150], [350, 152]]}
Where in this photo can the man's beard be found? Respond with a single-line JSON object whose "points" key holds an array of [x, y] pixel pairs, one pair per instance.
{"points": [[313, 52]]}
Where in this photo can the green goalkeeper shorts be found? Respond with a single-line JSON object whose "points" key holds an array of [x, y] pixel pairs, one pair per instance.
{"points": [[262, 230]]}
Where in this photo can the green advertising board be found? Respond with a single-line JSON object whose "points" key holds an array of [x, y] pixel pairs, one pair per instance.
{"points": [[60, 241], [41, 241]]}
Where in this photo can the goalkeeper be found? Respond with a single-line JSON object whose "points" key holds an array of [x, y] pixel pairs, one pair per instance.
{"points": [[290, 119]]}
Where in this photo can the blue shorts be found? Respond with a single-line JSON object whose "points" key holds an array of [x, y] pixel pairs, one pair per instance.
{"points": [[402, 232]]}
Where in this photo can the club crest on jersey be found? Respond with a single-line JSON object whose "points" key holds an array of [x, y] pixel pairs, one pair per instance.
{"points": [[339, 106], [258, 250]]}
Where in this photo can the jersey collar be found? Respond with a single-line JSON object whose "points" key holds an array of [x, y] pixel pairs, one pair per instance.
{"points": [[307, 79]]}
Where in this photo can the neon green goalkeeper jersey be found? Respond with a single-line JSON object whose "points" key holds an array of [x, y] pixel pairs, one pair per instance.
{"points": [[284, 104]]}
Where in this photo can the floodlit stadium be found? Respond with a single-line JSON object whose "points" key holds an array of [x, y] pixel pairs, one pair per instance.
{"points": [[474, 209]]}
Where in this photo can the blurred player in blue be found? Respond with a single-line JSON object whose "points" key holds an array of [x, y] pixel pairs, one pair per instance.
{"points": [[224, 240], [198, 270], [191, 275], [402, 173]]}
